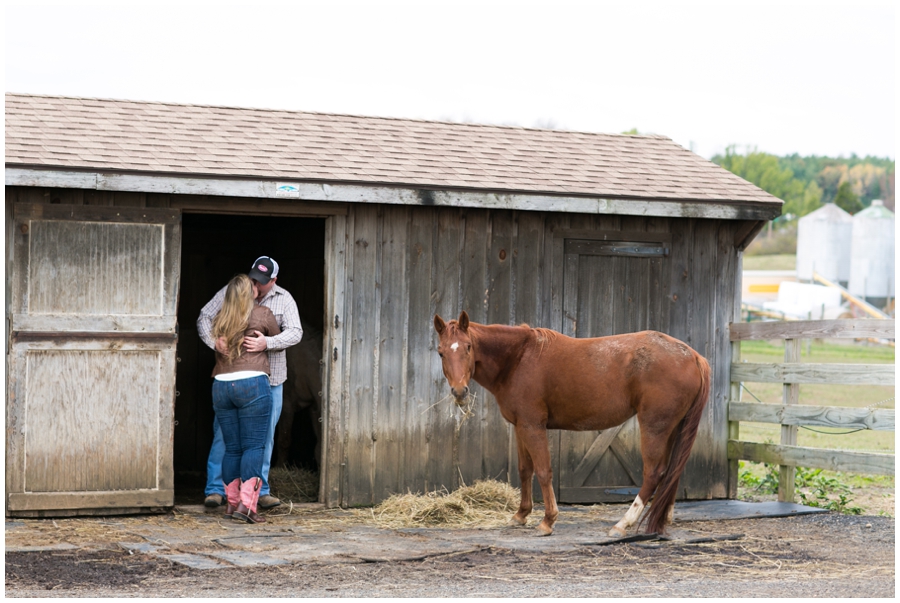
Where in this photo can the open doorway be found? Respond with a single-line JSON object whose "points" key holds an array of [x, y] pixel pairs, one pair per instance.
{"points": [[214, 249]]}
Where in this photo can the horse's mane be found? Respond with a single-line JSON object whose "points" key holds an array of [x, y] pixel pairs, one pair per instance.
{"points": [[541, 335]]}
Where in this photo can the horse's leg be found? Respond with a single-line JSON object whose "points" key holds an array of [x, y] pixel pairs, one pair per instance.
{"points": [[655, 451], [535, 441], [526, 477]]}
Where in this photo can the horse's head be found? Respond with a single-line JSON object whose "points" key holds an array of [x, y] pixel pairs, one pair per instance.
{"points": [[455, 350]]}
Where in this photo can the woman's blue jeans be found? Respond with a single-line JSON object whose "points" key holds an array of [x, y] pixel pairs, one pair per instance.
{"points": [[243, 409]]}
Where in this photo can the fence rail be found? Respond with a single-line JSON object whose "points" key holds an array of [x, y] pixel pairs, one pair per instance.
{"points": [[790, 415]]}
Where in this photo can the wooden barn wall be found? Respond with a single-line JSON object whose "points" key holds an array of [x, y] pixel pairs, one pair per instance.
{"points": [[393, 267], [397, 430]]}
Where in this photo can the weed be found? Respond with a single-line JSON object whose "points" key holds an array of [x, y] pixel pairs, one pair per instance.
{"points": [[813, 486], [767, 484]]}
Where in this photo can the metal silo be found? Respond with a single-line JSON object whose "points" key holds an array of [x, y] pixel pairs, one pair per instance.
{"points": [[872, 254], [823, 244]]}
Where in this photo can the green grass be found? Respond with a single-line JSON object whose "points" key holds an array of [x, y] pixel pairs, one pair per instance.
{"points": [[770, 262], [853, 396]]}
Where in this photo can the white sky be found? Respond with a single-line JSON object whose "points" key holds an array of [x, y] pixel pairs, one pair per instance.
{"points": [[813, 78]]}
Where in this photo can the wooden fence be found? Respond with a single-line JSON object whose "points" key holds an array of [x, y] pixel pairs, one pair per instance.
{"points": [[790, 415]]}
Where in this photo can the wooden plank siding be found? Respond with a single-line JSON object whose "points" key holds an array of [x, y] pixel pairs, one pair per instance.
{"points": [[453, 259], [389, 268]]}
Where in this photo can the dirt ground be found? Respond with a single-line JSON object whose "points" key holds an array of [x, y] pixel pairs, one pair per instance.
{"points": [[821, 555]]}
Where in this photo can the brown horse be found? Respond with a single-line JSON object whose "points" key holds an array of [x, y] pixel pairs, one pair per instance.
{"points": [[545, 380]]}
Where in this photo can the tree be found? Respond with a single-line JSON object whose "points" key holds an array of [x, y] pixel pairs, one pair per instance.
{"points": [[846, 199], [812, 200], [764, 171]]}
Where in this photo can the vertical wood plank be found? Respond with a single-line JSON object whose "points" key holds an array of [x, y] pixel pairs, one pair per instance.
{"points": [[734, 427], [421, 355], [680, 278], [734, 432], [716, 447], [389, 427], [790, 395], [334, 355], [362, 359]]}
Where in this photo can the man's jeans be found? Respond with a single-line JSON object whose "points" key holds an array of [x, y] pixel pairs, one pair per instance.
{"points": [[214, 483]]}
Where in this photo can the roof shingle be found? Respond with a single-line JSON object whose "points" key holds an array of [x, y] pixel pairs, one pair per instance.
{"points": [[85, 133]]}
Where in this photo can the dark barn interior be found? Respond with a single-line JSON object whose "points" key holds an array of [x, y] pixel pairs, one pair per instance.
{"points": [[214, 249]]}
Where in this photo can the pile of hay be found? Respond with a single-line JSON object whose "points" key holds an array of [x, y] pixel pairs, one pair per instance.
{"points": [[486, 503], [293, 484]]}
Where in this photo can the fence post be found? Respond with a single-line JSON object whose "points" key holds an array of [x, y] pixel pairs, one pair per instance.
{"points": [[734, 427], [791, 395]]}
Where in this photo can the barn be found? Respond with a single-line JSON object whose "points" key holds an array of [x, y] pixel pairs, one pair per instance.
{"points": [[123, 218]]}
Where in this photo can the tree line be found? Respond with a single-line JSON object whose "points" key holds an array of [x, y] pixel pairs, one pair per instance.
{"points": [[806, 183]]}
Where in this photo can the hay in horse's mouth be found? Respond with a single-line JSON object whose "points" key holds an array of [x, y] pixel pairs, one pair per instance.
{"points": [[465, 404]]}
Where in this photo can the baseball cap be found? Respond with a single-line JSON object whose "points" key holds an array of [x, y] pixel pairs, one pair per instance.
{"points": [[264, 269]]}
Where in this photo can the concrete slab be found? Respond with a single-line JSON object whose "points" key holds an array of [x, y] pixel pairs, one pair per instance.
{"points": [[196, 561], [247, 559], [359, 544], [142, 547]]}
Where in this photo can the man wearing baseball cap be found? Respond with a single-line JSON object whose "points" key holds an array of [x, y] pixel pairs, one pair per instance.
{"points": [[265, 272]]}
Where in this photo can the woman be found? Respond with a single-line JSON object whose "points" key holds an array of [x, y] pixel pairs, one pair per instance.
{"points": [[242, 398]]}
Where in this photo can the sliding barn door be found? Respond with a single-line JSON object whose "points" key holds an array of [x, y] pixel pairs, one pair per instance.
{"points": [[612, 285], [91, 359]]}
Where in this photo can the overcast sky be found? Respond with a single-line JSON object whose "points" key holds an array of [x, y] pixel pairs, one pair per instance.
{"points": [[812, 78]]}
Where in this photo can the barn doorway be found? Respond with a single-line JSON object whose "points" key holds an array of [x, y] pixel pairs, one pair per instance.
{"points": [[214, 249]]}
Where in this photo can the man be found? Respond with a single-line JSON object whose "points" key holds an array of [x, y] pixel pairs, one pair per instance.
{"points": [[283, 306]]}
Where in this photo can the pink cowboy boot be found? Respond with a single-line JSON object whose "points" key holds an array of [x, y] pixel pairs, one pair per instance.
{"points": [[233, 494], [246, 510]]}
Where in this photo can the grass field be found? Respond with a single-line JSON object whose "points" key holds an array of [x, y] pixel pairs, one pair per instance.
{"points": [[854, 396], [873, 494]]}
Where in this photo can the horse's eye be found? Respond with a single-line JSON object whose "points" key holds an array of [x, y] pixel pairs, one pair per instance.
{"points": [[468, 347], [441, 354]]}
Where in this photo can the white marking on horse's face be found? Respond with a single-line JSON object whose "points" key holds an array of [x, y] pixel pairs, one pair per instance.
{"points": [[455, 346]]}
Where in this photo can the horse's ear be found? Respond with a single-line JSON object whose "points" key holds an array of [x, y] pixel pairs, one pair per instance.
{"points": [[439, 324], [463, 321]]}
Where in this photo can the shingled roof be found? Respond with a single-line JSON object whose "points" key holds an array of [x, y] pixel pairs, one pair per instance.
{"points": [[51, 132]]}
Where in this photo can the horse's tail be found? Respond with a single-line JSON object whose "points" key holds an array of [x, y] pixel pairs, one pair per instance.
{"points": [[656, 517]]}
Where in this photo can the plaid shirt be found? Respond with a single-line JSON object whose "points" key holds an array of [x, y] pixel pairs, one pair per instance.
{"points": [[283, 307]]}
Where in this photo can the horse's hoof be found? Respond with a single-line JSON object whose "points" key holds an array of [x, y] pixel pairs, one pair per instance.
{"points": [[617, 532], [515, 522], [544, 530]]}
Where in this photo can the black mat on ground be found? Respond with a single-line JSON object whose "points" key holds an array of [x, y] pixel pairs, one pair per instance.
{"points": [[710, 510]]}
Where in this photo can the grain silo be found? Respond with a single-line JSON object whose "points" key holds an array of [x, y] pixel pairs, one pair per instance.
{"points": [[872, 255], [823, 244]]}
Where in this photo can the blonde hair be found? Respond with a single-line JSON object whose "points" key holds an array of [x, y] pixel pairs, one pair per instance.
{"points": [[232, 320]]}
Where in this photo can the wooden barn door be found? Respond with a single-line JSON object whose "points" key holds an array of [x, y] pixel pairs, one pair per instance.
{"points": [[91, 388], [612, 285]]}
